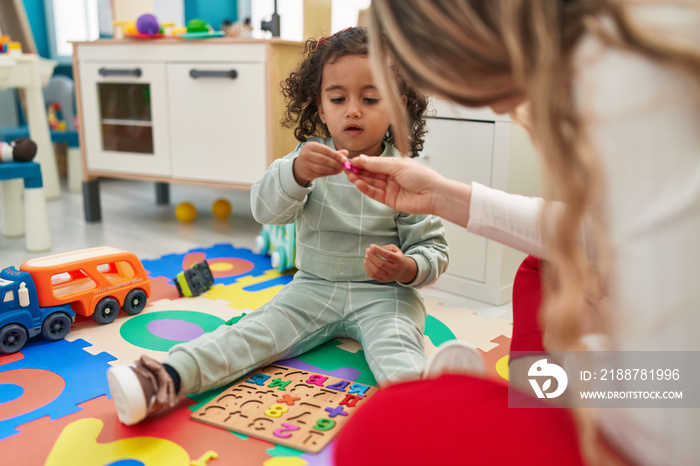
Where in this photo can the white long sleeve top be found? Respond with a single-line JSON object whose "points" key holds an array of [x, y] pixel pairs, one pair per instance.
{"points": [[643, 120]]}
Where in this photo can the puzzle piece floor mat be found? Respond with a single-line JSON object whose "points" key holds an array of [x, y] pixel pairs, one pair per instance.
{"points": [[54, 400]]}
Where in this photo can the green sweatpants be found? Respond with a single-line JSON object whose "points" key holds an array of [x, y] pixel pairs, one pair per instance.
{"points": [[388, 320]]}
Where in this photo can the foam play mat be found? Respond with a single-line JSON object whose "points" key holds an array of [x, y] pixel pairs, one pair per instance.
{"points": [[55, 407]]}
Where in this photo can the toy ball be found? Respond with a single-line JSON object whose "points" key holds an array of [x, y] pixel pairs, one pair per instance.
{"points": [[148, 24], [221, 208], [185, 212]]}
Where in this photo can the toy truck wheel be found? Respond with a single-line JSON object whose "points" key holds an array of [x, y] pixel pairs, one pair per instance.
{"points": [[12, 338], [56, 326], [262, 243], [135, 301], [279, 260], [106, 310]]}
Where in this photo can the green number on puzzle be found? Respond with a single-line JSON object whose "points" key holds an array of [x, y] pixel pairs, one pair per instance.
{"points": [[324, 424], [280, 384], [276, 410]]}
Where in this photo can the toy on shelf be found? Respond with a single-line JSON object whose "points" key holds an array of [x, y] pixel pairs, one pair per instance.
{"points": [[279, 241], [22, 316], [19, 150], [197, 29], [195, 280], [56, 123], [240, 30], [145, 26], [9, 46], [185, 212], [221, 208], [95, 282]]}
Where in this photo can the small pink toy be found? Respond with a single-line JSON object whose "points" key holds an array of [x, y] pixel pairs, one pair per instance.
{"points": [[348, 166]]}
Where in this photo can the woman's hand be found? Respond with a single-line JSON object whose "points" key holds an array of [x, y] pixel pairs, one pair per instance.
{"points": [[410, 187], [316, 160], [389, 264], [402, 184]]}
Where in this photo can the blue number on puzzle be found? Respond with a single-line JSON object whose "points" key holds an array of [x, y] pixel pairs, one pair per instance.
{"points": [[360, 389], [340, 386], [258, 379], [282, 431]]}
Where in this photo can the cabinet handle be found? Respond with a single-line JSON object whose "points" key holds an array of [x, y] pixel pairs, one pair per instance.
{"points": [[231, 74], [123, 72]]}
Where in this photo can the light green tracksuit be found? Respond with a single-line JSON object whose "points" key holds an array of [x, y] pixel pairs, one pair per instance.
{"points": [[331, 295]]}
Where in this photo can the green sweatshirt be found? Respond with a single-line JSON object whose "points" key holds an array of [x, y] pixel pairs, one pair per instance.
{"points": [[335, 223]]}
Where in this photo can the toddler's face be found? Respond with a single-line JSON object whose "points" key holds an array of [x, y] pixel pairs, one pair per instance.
{"points": [[351, 108]]}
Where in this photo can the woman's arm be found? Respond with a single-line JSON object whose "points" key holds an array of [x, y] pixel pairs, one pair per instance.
{"points": [[411, 187]]}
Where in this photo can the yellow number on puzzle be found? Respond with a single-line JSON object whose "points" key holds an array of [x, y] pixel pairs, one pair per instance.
{"points": [[276, 411]]}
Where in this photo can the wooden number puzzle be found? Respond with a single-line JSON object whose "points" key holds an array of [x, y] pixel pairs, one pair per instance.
{"points": [[290, 407]]}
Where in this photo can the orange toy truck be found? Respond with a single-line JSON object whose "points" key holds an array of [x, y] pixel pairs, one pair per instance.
{"points": [[95, 282]]}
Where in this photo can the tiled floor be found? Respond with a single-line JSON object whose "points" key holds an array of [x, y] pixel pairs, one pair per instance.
{"points": [[131, 220]]}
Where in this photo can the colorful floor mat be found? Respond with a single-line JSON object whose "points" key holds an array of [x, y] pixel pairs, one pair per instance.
{"points": [[54, 400]]}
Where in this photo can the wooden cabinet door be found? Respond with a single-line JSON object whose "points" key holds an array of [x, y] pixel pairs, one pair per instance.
{"points": [[125, 117], [461, 150], [218, 121]]}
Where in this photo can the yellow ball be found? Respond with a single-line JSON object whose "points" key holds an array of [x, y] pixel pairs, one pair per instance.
{"points": [[185, 212], [221, 208]]}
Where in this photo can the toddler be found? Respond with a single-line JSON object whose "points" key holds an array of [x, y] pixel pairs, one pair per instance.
{"points": [[359, 262]]}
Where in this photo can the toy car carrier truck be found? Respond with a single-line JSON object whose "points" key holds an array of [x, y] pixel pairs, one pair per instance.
{"points": [[21, 316], [95, 282]]}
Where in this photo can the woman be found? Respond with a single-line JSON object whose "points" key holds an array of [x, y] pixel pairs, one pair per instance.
{"points": [[614, 106]]}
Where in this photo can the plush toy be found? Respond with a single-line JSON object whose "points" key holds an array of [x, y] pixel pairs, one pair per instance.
{"points": [[19, 150]]}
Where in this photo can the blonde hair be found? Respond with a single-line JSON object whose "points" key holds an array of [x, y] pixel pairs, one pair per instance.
{"points": [[477, 52]]}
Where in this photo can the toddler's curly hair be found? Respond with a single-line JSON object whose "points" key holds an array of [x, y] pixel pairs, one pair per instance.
{"points": [[302, 89]]}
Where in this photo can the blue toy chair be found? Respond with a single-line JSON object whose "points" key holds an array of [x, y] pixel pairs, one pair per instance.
{"points": [[33, 220], [59, 89]]}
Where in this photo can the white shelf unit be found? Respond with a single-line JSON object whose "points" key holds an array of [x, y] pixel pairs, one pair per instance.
{"points": [[170, 110], [478, 145]]}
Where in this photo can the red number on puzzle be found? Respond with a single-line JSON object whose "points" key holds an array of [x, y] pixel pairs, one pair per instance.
{"points": [[282, 432], [351, 400]]}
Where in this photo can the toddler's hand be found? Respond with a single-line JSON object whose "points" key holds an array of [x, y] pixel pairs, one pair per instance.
{"points": [[316, 160], [389, 264]]}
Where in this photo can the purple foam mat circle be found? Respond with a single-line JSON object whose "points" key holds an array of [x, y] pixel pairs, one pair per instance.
{"points": [[175, 329]]}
